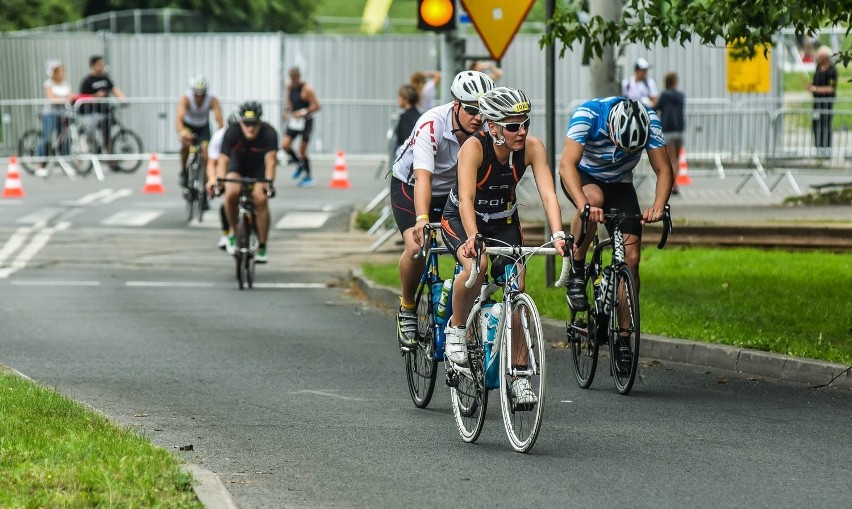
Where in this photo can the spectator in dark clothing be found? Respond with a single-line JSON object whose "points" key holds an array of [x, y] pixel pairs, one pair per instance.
{"points": [[670, 107], [98, 85], [824, 89], [408, 98]]}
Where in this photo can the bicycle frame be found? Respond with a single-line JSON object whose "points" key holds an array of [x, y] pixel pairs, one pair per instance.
{"points": [[430, 279]]}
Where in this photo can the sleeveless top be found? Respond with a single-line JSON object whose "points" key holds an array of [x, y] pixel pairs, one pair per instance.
{"points": [[197, 115], [60, 90], [296, 98]]}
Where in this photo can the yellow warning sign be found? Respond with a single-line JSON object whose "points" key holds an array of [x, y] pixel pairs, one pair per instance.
{"points": [[749, 76], [497, 21]]}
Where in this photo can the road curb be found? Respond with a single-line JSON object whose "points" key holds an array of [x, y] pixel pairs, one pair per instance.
{"points": [[209, 490], [713, 355]]}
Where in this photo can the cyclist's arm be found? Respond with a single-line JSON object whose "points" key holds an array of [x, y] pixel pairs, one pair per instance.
{"points": [[470, 158], [271, 160], [662, 166], [422, 201], [222, 165], [217, 112], [537, 157], [179, 114], [572, 153]]}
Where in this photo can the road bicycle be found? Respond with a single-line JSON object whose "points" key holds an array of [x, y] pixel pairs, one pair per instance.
{"points": [[492, 361], [247, 243], [125, 144], [612, 314], [421, 360], [64, 147], [195, 192]]}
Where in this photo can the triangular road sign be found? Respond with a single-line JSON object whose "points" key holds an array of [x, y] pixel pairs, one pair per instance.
{"points": [[497, 21]]}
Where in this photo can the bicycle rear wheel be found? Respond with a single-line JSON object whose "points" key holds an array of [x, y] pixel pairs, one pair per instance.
{"points": [[126, 142], [582, 335], [28, 147], [469, 397], [420, 365], [242, 254], [522, 419], [624, 331]]}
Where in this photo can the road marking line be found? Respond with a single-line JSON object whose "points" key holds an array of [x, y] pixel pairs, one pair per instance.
{"points": [[54, 283], [39, 216], [326, 393], [121, 193], [89, 198], [302, 220], [37, 242], [14, 243], [132, 217], [163, 284], [293, 286]]}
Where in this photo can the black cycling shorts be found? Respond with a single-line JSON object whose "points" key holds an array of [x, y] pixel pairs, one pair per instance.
{"points": [[617, 196], [498, 233], [305, 133], [402, 203], [203, 132]]}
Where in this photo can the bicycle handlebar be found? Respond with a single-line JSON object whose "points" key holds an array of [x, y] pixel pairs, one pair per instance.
{"points": [[244, 180], [517, 252], [427, 246], [619, 217]]}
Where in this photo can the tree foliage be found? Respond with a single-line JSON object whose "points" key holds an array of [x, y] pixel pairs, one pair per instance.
{"points": [[22, 14], [745, 25]]}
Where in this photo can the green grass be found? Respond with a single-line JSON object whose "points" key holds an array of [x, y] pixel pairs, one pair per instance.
{"points": [[794, 303], [55, 453]]}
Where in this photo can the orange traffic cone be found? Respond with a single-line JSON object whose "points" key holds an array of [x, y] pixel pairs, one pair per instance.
{"points": [[13, 188], [154, 180], [682, 175], [339, 178]]}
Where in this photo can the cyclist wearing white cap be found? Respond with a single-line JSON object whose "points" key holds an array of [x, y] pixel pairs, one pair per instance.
{"points": [[193, 117], [640, 87], [423, 173]]}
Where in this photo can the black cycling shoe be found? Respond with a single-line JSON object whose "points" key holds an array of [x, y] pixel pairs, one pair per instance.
{"points": [[576, 291]]}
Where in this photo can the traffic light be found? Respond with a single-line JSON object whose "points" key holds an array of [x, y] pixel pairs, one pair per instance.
{"points": [[436, 15]]}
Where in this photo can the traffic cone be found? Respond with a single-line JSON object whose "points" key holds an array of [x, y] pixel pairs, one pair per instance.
{"points": [[13, 188], [154, 180], [682, 175], [339, 178]]}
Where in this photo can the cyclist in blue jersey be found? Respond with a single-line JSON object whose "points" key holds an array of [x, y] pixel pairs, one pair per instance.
{"points": [[603, 145]]}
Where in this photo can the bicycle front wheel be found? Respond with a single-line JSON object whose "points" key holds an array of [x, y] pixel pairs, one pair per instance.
{"points": [[127, 143], [242, 252], [523, 377], [28, 147], [469, 397], [582, 335], [624, 330], [420, 365]]}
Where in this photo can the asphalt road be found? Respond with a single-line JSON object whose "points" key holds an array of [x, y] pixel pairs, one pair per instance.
{"points": [[295, 395]]}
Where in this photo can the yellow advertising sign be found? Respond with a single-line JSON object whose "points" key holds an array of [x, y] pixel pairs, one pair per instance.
{"points": [[497, 21], [749, 76]]}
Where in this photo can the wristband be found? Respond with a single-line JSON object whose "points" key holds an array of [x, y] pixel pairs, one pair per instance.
{"points": [[422, 216], [557, 235]]}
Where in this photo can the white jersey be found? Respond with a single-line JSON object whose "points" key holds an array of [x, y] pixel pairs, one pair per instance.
{"points": [[197, 115], [431, 146], [639, 90], [214, 146]]}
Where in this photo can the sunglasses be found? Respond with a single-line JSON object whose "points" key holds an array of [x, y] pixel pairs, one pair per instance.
{"points": [[514, 127], [470, 110], [250, 125]]}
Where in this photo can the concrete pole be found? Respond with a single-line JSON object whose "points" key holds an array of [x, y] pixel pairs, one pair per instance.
{"points": [[603, 80]]}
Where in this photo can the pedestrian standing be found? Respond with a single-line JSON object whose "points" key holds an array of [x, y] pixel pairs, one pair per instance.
{"points": [[824, 89], [407, 100], [57, 93], [639, 86], [671, 108]]}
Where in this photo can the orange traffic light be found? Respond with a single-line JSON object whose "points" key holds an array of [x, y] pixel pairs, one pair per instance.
{"points": [[436, 15]]}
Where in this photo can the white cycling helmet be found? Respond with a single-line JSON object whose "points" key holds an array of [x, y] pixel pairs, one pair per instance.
{"points": [[198, 84], [468, 86], [502, 102], [629, 125]]}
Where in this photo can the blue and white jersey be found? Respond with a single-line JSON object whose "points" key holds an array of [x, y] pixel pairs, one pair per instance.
{"points": [[601, 158]]}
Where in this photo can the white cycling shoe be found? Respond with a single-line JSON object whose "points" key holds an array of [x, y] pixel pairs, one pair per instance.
{"points": [[522, 392], [455, 345]]}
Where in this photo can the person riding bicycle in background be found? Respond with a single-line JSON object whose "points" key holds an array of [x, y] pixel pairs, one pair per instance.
{"points": [[249, 150], [98, 85], [193, 117], [483, 201], [603, 145], [423, 173], [214, 148]]}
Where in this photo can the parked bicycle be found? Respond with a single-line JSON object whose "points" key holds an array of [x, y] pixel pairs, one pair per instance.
{"points": [[494, 359], [195, 192], [247, 243], [612, 316], [125, 144], [63, 147]]}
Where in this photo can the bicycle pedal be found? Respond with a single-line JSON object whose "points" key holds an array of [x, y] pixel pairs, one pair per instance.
{"points": [[452, 379]]}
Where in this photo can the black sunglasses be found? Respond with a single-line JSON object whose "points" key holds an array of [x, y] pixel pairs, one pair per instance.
{"points": [[514, 127], [470, 110]]}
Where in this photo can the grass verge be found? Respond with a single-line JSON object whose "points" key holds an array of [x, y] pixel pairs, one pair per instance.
{"points": [[56, 453], [793, 303]]}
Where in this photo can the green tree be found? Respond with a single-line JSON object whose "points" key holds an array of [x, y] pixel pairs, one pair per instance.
{"points": [[22, 14], [745, 25]]}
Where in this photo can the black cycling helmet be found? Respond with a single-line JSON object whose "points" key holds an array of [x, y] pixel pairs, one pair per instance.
{"points": [[251, 112]]}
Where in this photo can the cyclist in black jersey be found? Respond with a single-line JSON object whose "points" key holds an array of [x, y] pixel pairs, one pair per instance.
{"points": [[249, 149], [483, 200]]}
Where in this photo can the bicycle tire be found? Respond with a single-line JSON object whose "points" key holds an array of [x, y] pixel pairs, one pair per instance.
{"points": [[469, 397], [192, 195], [421, 368], [582, 335], [624, 354], [249, 260], [127, 142], [242, 251], [523, 422], [28, 147]]}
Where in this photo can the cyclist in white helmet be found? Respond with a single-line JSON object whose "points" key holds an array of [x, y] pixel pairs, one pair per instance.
{"points": [[423, 173], [193, 117], [603, 145]]}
